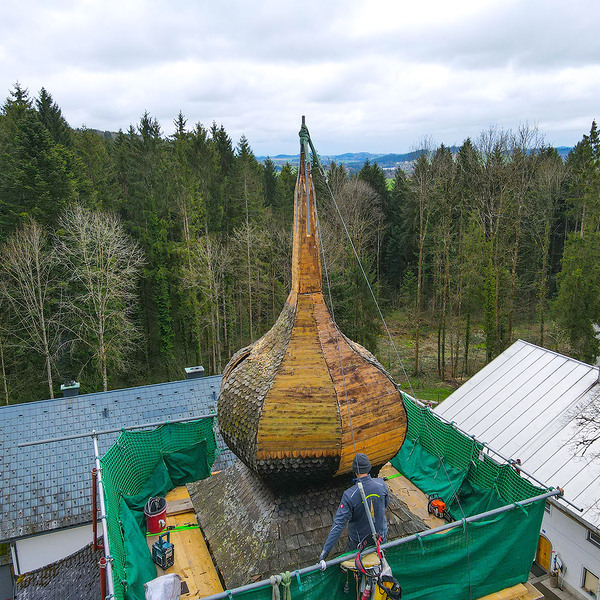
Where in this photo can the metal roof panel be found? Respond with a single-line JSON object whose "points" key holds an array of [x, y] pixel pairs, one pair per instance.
{"points": [[525, 404]]}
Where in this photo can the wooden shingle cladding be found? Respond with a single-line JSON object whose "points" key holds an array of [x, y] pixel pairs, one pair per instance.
{"points": [[300, 402], [371, 407], [254, 531], [245, 386]]}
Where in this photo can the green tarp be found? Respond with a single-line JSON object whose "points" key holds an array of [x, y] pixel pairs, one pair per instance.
{"points": [[463, 563], [142, 464], [467, 562]]}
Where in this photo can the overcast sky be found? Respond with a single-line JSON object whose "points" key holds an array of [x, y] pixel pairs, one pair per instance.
{"points": [[369, 76]]}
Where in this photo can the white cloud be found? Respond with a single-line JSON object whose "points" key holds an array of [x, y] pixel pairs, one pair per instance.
{"points": [[373, 76]]}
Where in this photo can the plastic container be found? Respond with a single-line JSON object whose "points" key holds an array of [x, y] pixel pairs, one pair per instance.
{"points": [[156, 514]]}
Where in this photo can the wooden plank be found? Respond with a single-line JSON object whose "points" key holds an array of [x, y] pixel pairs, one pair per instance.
{"points": [[368, 399], [178, 506], [306, 260], [300, 411], [411, 495], [517, 592], [193, 562]]}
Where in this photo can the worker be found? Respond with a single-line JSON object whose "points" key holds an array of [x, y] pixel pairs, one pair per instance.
{"points": [[352, 510]]}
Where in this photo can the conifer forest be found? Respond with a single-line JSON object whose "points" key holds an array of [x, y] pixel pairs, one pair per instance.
{"points": [[126, 257]]}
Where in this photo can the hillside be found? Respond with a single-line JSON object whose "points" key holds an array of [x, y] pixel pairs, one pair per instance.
{"points": [[354, 161]]}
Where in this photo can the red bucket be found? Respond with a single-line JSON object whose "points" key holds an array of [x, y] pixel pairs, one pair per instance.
{"points": [[156, 514]]}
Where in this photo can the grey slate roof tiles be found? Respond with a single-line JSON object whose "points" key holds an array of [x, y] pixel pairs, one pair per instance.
{"points": [[75, 577], [48, 486]]}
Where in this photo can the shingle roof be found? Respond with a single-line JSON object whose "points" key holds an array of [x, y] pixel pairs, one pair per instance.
{"points": [[76, 577], [525, 404], [254, 531], [48, 486]]}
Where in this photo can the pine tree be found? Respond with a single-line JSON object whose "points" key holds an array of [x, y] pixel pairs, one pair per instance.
{"points": [[51, 117], [399, 242], [37, 176]]}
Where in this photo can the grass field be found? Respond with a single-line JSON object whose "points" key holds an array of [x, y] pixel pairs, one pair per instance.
{"points": [[427, 385]]}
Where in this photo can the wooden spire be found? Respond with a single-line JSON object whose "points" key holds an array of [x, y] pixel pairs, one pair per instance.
{"points": [[301, 401], [306, 260]]}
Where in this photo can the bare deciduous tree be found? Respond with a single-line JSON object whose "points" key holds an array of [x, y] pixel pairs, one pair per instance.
{"points": [[588, 435], [28, 276], [103, 264], [360, 208], [206, 272], [2, 363]]}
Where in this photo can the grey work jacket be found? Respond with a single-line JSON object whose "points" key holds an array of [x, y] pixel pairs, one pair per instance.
{"points": [[352, 511]]}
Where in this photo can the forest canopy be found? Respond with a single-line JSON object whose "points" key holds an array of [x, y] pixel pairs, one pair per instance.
{"points": [[127, 257]]}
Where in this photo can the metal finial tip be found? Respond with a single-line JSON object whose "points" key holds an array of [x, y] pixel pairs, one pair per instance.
{"points": [[303, 120]]}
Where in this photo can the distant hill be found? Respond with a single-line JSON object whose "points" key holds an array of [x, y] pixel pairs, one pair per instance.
{"points": [[563, 151], [354, 161]]}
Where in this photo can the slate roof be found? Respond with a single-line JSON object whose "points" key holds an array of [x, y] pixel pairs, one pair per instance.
{"points": [[76, 577], [47, 487], [525, 404]]}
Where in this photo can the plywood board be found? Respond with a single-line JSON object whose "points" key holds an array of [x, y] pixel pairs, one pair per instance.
{"points": [[193, 562], [411, 495], [517, 592]]}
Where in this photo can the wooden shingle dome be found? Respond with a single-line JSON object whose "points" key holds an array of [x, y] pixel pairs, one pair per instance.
{"points": [[297, 404]]}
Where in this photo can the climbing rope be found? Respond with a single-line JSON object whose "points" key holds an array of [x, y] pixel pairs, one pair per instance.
{"points": [[364, 274], [284, 580], [305, 136]]}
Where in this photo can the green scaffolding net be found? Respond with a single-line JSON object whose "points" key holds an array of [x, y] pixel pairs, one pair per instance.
{"points": [[138, 465], [472, 560]]}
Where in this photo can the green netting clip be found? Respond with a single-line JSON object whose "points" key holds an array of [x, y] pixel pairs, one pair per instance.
{"points": [[298, 578], [517, 505], [229, 594], [420, 543], [464, 522]]}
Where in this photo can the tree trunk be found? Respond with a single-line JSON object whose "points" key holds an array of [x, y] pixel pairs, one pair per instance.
{"points": [[542, 290], [40, 302], [4, 382], [418, 308], [467, 339], [248, 260], [102, 357], [513, 277]]}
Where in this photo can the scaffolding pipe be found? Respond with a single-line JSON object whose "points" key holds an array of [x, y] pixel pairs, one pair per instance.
{"points": [[116, 430], [102, 564], [392, 544], [510, 461], [107, 556], [96, 545]]}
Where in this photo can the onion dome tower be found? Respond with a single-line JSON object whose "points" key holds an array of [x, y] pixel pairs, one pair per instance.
{"points": [[296, 405]]}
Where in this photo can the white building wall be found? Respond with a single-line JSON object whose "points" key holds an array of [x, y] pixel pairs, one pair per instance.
{"points": [[569, 541], [41, 550]]}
